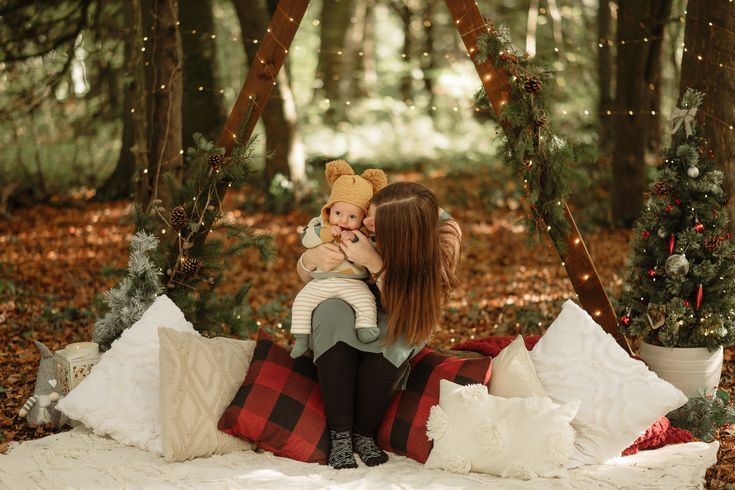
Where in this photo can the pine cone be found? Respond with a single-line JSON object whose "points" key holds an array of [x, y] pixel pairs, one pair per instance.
{"points": [[216, 160], [713, 244], [178, 218], [662, 189], [541, 120], [191, 266], [533, 85], [491, 29]]}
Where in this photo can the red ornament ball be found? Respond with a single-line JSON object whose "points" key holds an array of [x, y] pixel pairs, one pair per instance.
{"points": [[645, 234], [625, 320], [686, 303], [651, 272], [668, 208], [698, 227], [677, 201]]}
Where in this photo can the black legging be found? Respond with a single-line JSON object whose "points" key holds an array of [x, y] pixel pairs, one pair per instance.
{"points": [[357, 387]]}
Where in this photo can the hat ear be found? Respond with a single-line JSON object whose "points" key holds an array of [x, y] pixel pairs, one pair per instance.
{"points": [[376, 177], [336, 169]]}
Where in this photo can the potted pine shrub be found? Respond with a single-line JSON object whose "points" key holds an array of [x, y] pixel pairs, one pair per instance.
{"points": [[679, 291]]}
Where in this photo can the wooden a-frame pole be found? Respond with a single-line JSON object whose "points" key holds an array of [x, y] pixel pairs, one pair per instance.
{"points": [[471, 24]]}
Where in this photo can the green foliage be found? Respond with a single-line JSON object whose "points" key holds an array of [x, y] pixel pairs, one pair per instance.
{"points": [[704, 414], [127, 301], [61, 96], [692, 287], [530, 146], [194, 253]]}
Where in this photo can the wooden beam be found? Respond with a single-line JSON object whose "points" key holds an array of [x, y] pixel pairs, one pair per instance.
{"points": [[262, 75], [580, 268]]}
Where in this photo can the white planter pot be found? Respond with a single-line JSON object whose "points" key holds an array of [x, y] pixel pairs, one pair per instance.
{"points": [[687, 368]]}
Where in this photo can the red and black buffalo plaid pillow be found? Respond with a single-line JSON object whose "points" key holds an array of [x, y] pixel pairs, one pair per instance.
{"points": [[403, 429], [279, 406]]}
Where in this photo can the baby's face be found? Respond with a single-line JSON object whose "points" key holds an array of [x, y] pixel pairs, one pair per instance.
{"points": [[345, 215]]}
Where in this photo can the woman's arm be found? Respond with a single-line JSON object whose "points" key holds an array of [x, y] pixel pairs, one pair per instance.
{"points": [[325, 257]]}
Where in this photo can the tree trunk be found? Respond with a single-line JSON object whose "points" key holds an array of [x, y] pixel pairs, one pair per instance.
{"points": [[335, 22], [604, 76], [556, 29], [165, 126], [279, 115], [636, 64], [203, 110], [716, 46], [429, 61], [653, 141], [133, 159], [531, 25], [405, 13], [362, 71]]}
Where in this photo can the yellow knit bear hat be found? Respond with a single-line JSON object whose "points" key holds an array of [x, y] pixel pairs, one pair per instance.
{"points": [[351, 188]]}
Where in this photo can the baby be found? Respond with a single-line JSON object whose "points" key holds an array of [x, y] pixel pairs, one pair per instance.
{"points": [[348, 204]]}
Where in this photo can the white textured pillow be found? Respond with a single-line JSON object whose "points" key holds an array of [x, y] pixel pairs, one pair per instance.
{"points": [[511, 437], [513, 374], [199, 379], [621, 398], [120, 396]]}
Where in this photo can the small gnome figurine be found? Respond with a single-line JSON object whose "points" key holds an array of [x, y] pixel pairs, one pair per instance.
{"points": [[40, 408]]}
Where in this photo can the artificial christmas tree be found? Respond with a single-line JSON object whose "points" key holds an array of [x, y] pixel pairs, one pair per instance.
{"points": [[679, 288], [134, 294]]}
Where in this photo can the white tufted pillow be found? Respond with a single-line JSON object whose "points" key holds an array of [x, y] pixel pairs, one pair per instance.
{"points": [[511, 437], [513, 374], [120, 396], [199, 379], [620, 398]]}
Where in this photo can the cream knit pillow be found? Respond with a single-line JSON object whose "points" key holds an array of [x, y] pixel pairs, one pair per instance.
{"points": [[199, 379]]}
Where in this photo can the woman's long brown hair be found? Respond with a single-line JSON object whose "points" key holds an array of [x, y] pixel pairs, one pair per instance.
{"points": [[418, 264]]}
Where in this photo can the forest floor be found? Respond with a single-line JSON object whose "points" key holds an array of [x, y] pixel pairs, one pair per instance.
{"points": [[55, 261]]}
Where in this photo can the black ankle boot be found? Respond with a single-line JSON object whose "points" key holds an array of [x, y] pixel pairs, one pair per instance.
{"points": [[368, 450], [341, 455]]}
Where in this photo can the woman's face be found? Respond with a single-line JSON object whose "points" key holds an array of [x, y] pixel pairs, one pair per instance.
{"points": [[369, 220]]}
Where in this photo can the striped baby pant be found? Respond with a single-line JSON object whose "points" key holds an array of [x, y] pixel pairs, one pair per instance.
{"points": [[355, 292]]}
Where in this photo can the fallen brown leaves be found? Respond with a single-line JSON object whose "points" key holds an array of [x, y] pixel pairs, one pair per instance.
{"points": [[54, 264]]}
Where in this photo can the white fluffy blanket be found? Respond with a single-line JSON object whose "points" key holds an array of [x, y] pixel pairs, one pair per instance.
{"points": [[80, 459]]}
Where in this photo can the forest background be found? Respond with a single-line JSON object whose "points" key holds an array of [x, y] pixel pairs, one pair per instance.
{"points": [[381, 83]]}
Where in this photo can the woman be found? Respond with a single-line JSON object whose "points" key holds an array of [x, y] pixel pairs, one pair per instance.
{"points": [[413, 268]]}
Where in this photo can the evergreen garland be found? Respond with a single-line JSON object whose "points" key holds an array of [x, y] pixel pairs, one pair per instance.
{"points": [[530, 147], [679, 289], [128, 301], [704, 414], [192, 255]]}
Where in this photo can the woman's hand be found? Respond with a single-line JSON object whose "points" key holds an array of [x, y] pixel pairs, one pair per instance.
{"points": [[325, 257], [362, 252]]}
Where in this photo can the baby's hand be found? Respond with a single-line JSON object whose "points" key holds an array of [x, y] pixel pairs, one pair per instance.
{"points": [[347, 236], [335, 231]]}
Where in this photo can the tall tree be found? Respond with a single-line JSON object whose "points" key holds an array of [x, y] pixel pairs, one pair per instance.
{"points": [[335, 23], [165, 146], [282, 138], [640, 32], [133, 159], [362, 70], [203, 109], [405, 11], [429, 56], [709, 48], [604, 74]]}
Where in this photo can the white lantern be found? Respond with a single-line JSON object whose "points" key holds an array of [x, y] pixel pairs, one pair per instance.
{"points": [[74, 362]]}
